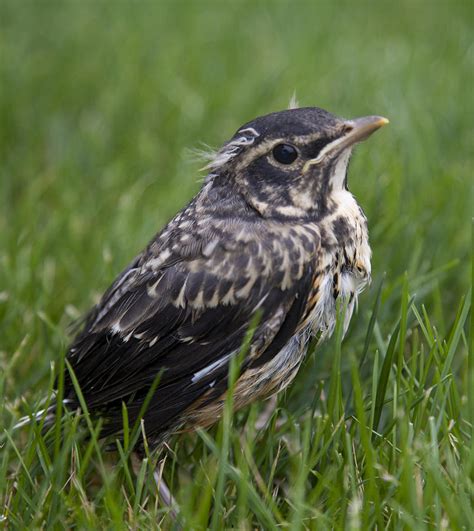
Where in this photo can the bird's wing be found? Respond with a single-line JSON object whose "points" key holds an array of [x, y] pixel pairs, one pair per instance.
{"points": [[182, 309]]}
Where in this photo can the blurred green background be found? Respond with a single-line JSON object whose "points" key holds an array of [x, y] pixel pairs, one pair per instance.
{"points": [[101, 104]]}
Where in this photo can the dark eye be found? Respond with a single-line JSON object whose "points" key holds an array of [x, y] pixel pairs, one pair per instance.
{"points": [[285, 153]]}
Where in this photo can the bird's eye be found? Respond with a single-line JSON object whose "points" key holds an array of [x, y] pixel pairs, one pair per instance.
{"points": [[285, 153]]}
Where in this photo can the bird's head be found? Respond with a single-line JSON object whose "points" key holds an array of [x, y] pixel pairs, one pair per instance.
{"points": [[287, 164]]}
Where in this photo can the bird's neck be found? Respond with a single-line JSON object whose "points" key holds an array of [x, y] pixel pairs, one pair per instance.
{"points": [[221, 201]]}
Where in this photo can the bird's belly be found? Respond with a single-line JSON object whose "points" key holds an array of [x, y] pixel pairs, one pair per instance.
{"points": [[259, 382], [280, 371]]}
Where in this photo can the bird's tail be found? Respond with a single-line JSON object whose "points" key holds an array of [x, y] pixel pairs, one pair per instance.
{"points": [[46, 416]]}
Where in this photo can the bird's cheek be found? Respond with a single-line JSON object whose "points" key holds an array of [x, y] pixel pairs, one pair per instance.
{"points": [[303, 196]]}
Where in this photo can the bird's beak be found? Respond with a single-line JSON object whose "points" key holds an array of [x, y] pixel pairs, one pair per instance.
{"points": [[356, 130], [361, 128]]}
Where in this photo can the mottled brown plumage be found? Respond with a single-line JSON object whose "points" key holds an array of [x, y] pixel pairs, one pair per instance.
{"points": [[273, 230]]}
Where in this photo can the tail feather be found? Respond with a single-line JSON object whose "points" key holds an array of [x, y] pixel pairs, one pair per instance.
{"points": [[46, 415]]}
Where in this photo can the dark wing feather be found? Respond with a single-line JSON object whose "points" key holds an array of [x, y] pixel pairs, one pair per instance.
{"points": [[183, 315]]}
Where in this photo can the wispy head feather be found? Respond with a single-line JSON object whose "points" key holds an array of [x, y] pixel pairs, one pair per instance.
{"points": [[232, 148], [216, 159], [293, 104]]}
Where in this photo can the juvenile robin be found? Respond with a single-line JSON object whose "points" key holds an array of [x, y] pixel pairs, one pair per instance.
{"points": [[274, 230]]}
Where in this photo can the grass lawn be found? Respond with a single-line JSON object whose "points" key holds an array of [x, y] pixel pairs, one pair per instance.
{"points": [[101, 105]]}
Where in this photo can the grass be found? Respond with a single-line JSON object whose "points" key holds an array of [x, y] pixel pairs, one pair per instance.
{"points": [[99, 104]]}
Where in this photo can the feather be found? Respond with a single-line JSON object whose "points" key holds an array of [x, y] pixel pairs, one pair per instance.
{"points": [[185, 318]]}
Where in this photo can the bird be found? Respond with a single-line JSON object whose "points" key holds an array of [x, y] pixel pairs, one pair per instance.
{"points": [[273, 237]]}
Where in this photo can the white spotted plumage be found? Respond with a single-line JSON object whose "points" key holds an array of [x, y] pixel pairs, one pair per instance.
{"points": [[264, 237]]}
